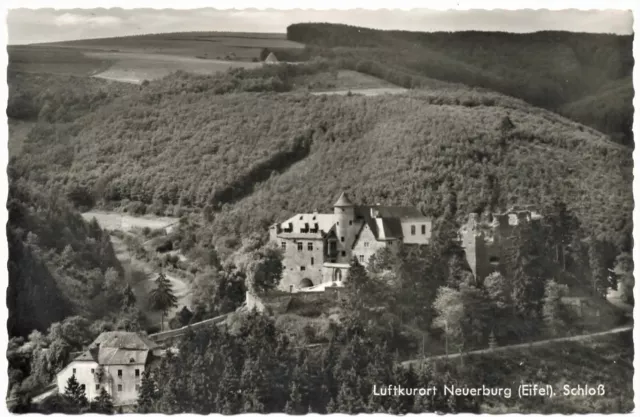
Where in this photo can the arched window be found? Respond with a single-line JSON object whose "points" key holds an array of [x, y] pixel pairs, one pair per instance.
{"points": [[337, 275]]}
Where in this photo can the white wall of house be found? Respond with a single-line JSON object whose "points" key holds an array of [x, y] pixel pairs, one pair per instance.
{"points": [[82, 370], [412, 231], [123, 386], [366, 246]]}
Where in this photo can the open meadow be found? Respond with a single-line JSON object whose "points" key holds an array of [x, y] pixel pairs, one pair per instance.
{"points": [[134, 59]]}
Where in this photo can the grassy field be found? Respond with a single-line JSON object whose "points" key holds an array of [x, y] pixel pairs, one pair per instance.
{"points": [[137, 67], [137, 58], [118, 221], [48, 59], [207, 45]]}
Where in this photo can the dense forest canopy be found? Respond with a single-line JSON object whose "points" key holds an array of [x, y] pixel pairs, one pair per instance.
{"points": [[247, 159], [59, 265], [587, 77]]}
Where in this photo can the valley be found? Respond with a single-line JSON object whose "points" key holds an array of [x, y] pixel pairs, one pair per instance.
{"points": [[142, 285], [489, 177]]}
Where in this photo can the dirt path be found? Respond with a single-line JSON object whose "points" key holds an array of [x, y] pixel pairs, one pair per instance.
{"points": [[125, 223], [364, 91], [521, 345]]}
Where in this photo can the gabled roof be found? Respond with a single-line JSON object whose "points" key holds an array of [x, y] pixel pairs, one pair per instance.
{"points": [[115, 356], [271, 58], [343, 201], [124, 340]]}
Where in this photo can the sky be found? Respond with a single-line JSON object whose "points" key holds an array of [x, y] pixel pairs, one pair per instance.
{"points": [[49, 25]]}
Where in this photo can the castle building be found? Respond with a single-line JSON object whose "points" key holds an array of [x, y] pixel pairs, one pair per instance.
{"points": [[114, 361], [318, 247], [485, 240]]}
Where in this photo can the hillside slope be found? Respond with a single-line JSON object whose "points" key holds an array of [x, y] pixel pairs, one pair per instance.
{"points": [[547, 69], [59, 265], [251, 159]]}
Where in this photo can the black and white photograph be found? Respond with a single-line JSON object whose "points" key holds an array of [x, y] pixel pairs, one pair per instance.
{"points": [[340, 211]]}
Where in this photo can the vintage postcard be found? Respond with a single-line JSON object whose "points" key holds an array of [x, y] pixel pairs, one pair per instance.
{"points": [[231, 211]]}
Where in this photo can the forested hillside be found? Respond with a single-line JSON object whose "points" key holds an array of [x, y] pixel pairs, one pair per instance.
{"points": [[247, 159], [59, 265], [587, 77]]}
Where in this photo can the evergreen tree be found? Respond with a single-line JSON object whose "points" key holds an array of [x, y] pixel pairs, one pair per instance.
{"points": [[599, 272], [128, 298], [294, 403], [554, 312], [102, 404], [162, 297], [75, 393], [147, 395]]}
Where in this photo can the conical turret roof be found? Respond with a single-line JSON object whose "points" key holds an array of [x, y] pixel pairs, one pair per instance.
{"points": [[343, 201]]}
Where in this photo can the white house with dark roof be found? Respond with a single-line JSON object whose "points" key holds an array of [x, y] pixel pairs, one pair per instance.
{"points": [[318, 247], [115, 361]]}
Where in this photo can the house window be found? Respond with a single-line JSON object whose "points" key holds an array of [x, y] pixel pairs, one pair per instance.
{"points": [[137, 387], [309, 246], [350, 222], [413, 230], [119, 387], [137, 373], [284, 245], [361, 257], [302, 268], [299, 246], [366, 244], [93, 370], [97, 387], [83, 386], [311, 261], [120, 373], [74, 371], [341, 238], [344, 253], [424, 229]]}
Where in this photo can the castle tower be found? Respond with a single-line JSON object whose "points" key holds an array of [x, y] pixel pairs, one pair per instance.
{"points": [[343, 210]]}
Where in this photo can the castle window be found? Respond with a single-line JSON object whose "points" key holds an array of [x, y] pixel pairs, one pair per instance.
{"points": [[137, 387], [309, 246], [311, 261], [97, 387], [366, 244], [302, 268], [350, 222], [93, 370], [413, 230], [283, 245], [361, 258], [424, 229], [137, 373], [74, 371], [299, 246], [119, 388], [344, 253], [120, 373], [341, 238]]}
